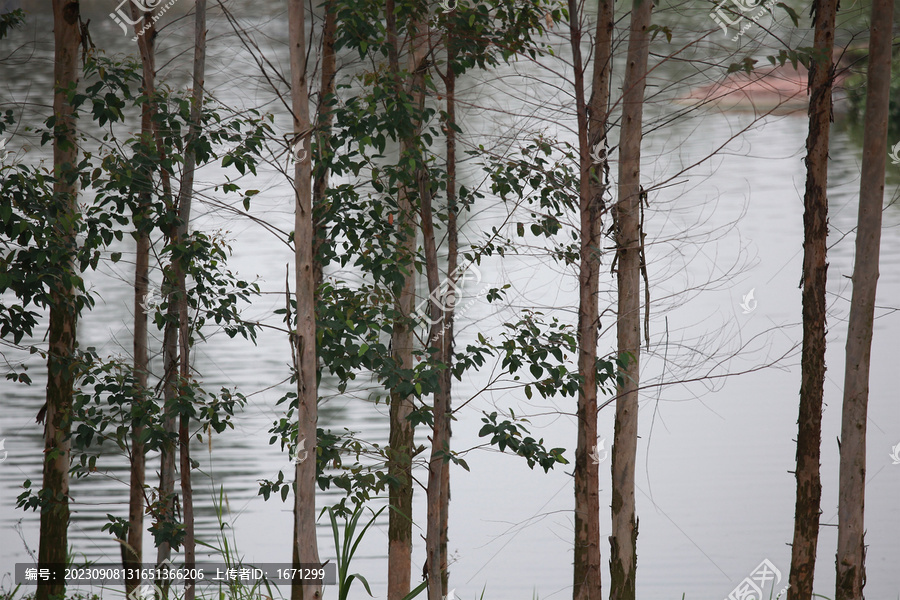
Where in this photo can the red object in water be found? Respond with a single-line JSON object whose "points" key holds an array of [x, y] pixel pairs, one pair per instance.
{"points": [[779, 89]]}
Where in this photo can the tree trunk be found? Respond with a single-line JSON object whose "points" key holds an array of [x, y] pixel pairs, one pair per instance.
{"points": [[591, 134], [167, 496], [440, 338], [132, 551], [815, 270], [166, 511], [304, 341], [452, 265], [324, 120], [623, 541], [437, 462], [321, 172], [53, 543], [186, 193], [851, 490], [401, 430]]}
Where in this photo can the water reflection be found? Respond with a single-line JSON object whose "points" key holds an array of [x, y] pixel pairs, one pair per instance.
{"points": [[715, 494]]}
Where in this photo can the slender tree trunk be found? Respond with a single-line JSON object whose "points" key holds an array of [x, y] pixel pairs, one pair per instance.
{"points": [[591, 135], [439, 338], [325, 120], [53, 543], [815, 270], [166, 501], [132, 551], [186, 193], [321, 172], [167, 496], [401, 430], [851, 551], [452, 265], [623, 541], [304, 342], [401, 433], [166, 511], [437, 462], [401, 444]]}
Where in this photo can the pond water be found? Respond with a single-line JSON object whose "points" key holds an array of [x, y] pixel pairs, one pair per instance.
{"points": [[715, 492]]}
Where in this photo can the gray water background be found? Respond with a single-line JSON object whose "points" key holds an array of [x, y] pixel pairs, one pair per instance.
{"points": [[715, 492]]}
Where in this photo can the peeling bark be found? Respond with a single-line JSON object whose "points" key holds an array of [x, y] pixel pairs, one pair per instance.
{"points": [[592, 123], [305, 544], [629, 242], [815, 271], [401, 431]]}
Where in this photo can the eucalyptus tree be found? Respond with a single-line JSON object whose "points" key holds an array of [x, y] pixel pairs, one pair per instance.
{"points": [[851, 552], [154, 143], [53, 241], [592, 121], [324, 123], [411, 96], [473, 37], [63, 301], [404, 191], [185, 197], [133, 549], [629, 246], [303, 338], [451, 47], [815, 273]]}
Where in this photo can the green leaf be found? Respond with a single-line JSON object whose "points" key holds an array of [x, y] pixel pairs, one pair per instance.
{"points": [[791, 13], [416, 591]]}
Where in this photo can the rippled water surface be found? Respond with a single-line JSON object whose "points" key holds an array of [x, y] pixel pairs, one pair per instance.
{"points": [[715, 491]]}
